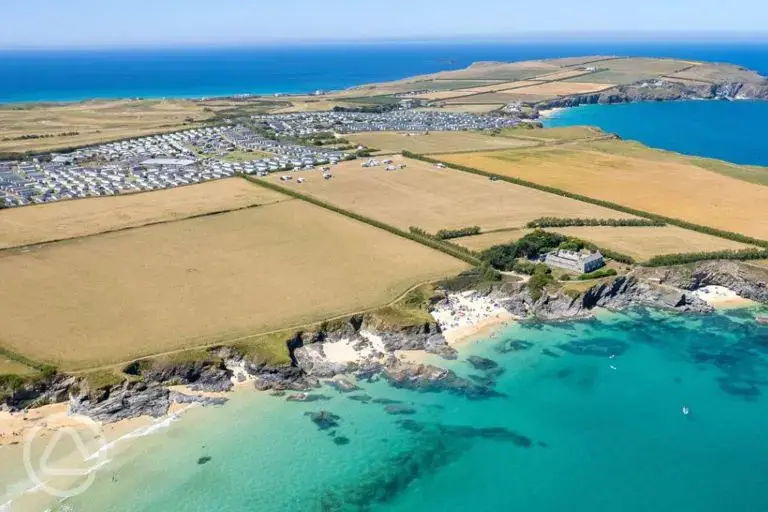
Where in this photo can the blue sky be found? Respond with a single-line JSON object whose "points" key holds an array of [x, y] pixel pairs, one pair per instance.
{"points": [[89, 23]]}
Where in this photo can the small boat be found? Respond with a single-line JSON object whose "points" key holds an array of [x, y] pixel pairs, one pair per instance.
{"points": [[686, 411], [613, 368]]}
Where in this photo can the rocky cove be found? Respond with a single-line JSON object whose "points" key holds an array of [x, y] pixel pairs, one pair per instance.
{"points": [[375, 347]]}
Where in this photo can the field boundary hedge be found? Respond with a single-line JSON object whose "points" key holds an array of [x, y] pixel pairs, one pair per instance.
{"points": [[444, 247], [567, 222], [728, 235], [692, 257]]}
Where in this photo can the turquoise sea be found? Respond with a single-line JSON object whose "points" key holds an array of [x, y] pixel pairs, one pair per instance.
{"points": [[590, 418], [726, 130]]}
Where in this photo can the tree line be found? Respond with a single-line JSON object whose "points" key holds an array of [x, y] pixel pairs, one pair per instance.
{"points": [[558, 222]]}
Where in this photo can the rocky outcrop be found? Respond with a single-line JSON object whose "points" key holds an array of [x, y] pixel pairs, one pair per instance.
{"points": [[207, 374], [662, 90], [621, 293], [312, 360], [428, 378], [748, 280]]}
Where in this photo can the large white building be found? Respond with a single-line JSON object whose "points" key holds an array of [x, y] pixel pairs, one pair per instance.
{"points": [[575, 261]]}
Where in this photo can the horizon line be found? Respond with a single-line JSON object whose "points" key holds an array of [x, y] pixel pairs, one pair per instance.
{"points": [[660, 37]]}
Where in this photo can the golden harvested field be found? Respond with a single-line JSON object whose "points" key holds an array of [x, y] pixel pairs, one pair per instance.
{"points": [[562, 88], [718, 72], [10, 367], [580, 61], [468, 91], [69, 219], [642, 243], [500, 71], [435, 142], [93, 122], [561, 75], [562, 133], [430, 198], [497, 97], [676, 189], [485, 240], [627, 71], [118, 296]]}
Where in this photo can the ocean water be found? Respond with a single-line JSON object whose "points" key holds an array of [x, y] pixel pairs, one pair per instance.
{"points": [[726, 130], [36, 75], [574, 429]]}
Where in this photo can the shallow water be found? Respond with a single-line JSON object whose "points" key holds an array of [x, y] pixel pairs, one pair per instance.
{"points": [[576, 430]]}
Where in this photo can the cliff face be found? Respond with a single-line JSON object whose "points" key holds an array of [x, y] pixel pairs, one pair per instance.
{"points": [[748, 280], [663, 91], [375, 342], [622, 293]]}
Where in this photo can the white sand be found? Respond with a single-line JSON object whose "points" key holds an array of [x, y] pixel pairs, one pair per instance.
{"points": [[465, 315], [544, 114], [721, 297]]}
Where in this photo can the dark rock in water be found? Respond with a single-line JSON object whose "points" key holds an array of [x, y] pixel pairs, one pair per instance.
{"points": [[481, 363], [343, 385], [597, 347], [360, 398], [203, 460], [467, 432], [722, 360], [427, 378], [543, 444], [399, 410], [385, 401], [306, 397], [483, 380], [367, 371], [564, 373], [411, 425], [382, 481], [744, 389], [341, 440], [507, 346], [278, 393], [678, 380], [548, 352], [323, 419]]}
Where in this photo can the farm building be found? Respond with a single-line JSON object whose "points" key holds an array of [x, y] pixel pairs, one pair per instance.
{"points": [[575, 261]]}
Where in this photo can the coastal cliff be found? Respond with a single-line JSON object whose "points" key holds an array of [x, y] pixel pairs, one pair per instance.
{"points": [[370, 344], [662, 90]]}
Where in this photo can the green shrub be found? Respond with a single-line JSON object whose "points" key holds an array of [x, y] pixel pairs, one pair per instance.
{"points": [[680, 259], [597, 274], [558, 222], [447, 234], [541, 278]]}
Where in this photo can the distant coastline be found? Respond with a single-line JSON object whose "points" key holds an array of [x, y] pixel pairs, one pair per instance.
{"points": [[40, 76]]}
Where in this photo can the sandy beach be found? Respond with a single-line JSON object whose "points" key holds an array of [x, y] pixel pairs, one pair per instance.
{"points": [[544, 114], [467, 315], [721, 297]]}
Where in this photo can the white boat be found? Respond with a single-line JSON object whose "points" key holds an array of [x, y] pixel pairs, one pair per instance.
{"points": [[686, 411]]}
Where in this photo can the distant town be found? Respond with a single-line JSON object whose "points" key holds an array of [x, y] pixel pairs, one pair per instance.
{"points": [[270, 143]]}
